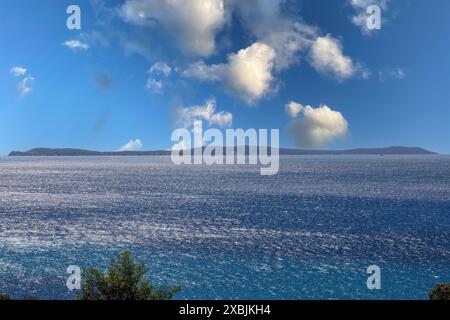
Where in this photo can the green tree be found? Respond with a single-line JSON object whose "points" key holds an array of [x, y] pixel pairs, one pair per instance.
{"points": [[440, 292], [4, 297], [124, 280]]}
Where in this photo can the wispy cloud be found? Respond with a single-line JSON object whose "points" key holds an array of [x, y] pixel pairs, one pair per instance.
{"points": [[189, 117], [155, 86], [158, 72], [76, 45], [206, 112], [23, 87], [18, 71], [160, 68], [394, 73], [132, 145]]}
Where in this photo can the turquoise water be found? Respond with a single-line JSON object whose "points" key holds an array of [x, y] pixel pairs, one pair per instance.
{"points": [[225, 231]]}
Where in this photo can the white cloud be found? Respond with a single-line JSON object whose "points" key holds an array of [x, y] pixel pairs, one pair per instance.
{"points": [[160, 68], [158, 71], [395, 73], [293, 109], [280, 40], [186, 117], [76, 45], [18, 71], [24, 85], [206, 112], [270, 24], [203, 72], [132, 145], [318, 126], [276, 24], [326, 57], [289, 44], [154, 85], [248, 72], [194, 24], [360, 7]]}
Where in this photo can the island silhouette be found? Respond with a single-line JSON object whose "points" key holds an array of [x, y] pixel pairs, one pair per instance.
{"points": [[69, 152]]}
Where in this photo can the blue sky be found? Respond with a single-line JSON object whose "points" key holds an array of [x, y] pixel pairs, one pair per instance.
{"points": [[138, 69]]}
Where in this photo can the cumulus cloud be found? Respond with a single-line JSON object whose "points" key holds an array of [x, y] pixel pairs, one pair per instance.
{"points": [[206, 112], [360, 7], [248, 73], [289, 44], [293, 109], [282, 40], [132, 145], [76, 45], [327, 57], [317, 126], [270, 23], [18, 71], [194, 24], [274, 23]]}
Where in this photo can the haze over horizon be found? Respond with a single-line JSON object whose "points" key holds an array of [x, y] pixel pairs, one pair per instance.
{"points": [[392, 150]]}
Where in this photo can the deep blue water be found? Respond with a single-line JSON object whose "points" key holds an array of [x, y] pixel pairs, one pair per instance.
{"points": [[227, 232]]}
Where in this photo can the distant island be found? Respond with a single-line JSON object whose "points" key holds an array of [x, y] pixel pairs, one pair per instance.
{"points": [[67, 152]]}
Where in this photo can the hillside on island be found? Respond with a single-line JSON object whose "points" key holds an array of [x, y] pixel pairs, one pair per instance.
{"points": [[47, 152]]}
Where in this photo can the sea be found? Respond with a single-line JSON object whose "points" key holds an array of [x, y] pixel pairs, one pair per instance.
{"points": [[226, 232]]}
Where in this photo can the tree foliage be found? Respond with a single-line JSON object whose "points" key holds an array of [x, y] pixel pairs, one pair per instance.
{"points": [[440, 292], [124, 280], [4, 297]]}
